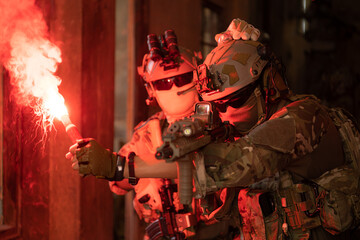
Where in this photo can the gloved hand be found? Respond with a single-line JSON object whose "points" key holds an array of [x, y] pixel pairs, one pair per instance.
{"points": [[238, 29], [92, 158]]}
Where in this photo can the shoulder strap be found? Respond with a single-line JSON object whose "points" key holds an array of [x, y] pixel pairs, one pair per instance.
{"points": [[297, 97], [349, 133]]}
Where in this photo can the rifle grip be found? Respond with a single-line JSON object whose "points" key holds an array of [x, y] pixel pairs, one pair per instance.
{"points": [[185, 180]]}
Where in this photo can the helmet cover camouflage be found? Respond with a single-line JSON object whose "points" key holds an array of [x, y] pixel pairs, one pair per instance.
{"points": [[228, 68]]}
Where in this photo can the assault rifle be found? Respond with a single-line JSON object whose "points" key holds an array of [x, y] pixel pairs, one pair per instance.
{"points": [[188, 135]]}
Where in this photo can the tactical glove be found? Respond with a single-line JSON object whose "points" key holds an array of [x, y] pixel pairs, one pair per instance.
{"points": [[238, 29], [95, 160]]}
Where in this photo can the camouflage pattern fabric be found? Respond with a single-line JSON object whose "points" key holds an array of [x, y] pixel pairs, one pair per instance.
{"points": [[350, 135], [341, 204], [147, 202], [253, 226], [278, 144], [300, 138], [146, 138]]}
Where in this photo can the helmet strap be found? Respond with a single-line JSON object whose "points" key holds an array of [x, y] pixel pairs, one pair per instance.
{"points": [[151, 97], [274, 82], [260, 110]]}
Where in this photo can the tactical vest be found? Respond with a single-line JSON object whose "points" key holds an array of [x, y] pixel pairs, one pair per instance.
{"points": [[294, 205]]}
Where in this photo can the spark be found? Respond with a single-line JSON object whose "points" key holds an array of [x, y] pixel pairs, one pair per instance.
{"points": [[32, 60]]}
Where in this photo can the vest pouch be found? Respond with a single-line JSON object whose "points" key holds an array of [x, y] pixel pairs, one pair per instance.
{"points": [[341, 204], [336, 215]]}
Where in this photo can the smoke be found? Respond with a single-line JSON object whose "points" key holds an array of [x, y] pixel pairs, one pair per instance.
{"points": [[31, 59]]}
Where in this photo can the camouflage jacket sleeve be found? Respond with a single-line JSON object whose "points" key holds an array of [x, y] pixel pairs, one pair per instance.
{"points": [[285, 139], [145, 139]]}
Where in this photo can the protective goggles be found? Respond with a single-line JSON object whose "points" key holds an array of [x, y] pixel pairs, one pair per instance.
{"points": [[236, 99], [167, 83]]}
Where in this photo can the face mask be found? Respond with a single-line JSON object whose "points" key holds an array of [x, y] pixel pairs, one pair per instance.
{"points": [[243, 118], [178, 102]]}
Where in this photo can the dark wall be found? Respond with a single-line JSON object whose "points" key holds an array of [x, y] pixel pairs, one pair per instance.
{"points": [[322, 60]]}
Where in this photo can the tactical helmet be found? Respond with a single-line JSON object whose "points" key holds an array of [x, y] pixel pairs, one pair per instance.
{"points": [[228, 68], [164, 68]]}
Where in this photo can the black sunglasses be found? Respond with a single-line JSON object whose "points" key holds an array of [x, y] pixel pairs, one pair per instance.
{"points": [[167, 83], [236, 99]]}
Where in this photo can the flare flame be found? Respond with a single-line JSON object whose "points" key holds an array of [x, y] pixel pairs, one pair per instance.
{"points": [[31, 59]]}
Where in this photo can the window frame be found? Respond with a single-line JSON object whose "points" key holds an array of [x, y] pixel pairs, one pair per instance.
{"points": [[215, 9]]}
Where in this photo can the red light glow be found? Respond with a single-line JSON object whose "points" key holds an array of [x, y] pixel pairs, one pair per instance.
{"points": [[31, 59]]}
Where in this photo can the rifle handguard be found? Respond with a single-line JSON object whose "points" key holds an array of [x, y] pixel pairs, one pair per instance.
{"points": [[185, 181]]}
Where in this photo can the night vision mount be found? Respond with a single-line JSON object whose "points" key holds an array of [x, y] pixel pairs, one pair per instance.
{"points": [[165, 48]]}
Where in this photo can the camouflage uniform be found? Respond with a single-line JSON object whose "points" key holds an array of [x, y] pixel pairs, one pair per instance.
{"points": [[147, 201], [285, 170], [146, 138]]}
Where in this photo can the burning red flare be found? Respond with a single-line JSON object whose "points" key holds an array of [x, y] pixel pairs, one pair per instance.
{"points": [[32, 67], [31, 59]]}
